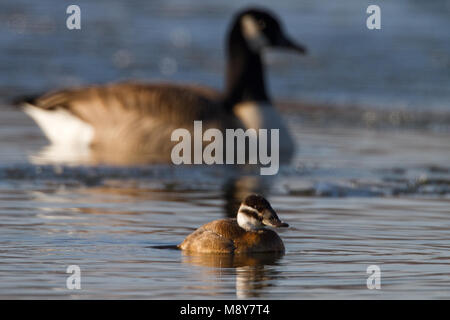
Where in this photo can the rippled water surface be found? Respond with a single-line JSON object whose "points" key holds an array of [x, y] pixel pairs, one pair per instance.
{"points": [[110, 233], [353, 198], [368, 186]]}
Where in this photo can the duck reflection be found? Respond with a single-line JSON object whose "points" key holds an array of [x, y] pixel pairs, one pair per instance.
{"points": [[237, 188], [254, 274]]}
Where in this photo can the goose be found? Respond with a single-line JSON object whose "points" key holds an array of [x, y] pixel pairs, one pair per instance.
{"points": [[135, 117], [245, 234]]}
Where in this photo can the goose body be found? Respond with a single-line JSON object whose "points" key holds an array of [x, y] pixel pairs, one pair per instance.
{"points": [[245, 234], [127, 117], [133, 117]]}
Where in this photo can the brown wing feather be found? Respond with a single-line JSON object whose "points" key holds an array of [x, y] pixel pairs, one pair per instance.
{"points": [[175, 104], [206, 241], [131, 118], [226, 228]]}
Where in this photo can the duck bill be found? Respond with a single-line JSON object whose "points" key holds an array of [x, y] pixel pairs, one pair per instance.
{"points": [[275, 223], [286, 43], [272, 220]]}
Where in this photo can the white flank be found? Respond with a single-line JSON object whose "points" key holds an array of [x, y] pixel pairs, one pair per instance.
{"points": [[61, 127]]}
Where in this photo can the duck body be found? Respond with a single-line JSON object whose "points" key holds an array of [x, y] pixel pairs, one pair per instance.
{"points": [[226, 236], [245, 234]]}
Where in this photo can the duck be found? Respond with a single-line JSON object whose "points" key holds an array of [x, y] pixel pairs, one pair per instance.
{"points": [[134, 117], [244, 234]]}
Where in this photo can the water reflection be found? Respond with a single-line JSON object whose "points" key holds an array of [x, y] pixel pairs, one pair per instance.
{"points": [[234, 182], [252, 272], [237, 188], [78, 155]]}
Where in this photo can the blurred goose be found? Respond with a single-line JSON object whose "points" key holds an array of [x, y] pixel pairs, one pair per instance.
{"points": [[133, 117], [246, 234]]}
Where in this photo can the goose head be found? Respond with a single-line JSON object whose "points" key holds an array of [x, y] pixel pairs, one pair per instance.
{"points": [[262, 29], [251, 32]]}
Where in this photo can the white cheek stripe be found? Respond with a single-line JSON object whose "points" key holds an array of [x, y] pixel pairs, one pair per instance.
{"points": [[248, 223]]}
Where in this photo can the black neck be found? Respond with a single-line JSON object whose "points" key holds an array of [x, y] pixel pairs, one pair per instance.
{"points": [[245, 73]]}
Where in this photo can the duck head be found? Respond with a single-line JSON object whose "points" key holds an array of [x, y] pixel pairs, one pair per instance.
{"points": [[256, 212]]}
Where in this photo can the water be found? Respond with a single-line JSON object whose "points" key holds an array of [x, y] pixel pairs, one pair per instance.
{"points": [[370, 185], [353, 198], [329, 246]]}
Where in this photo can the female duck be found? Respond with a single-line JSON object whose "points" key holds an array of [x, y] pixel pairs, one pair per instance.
{"points": [[246, 234]]}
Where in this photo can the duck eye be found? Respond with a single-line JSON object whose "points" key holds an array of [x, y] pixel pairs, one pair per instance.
{"points": [[262, 24]]}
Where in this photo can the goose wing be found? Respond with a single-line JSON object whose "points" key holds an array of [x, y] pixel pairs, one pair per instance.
{"points": [[128, 117], [174, 104]]}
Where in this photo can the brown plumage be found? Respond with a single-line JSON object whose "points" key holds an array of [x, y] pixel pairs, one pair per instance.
{"points": [[110, 102], [132, 118], [226, 236]]}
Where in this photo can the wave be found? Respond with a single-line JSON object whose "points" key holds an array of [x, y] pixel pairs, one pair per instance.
{"points": [[300, 181]]}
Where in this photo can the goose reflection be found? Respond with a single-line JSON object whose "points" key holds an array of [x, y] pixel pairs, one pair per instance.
{"points": [[254, 273]]}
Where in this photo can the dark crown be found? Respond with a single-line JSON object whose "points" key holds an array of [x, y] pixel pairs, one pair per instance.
{"points": [[257, 202]]}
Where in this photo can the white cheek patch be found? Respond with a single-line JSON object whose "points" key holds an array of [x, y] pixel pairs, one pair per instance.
{"points": [[252, 34], [246, 221]]}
